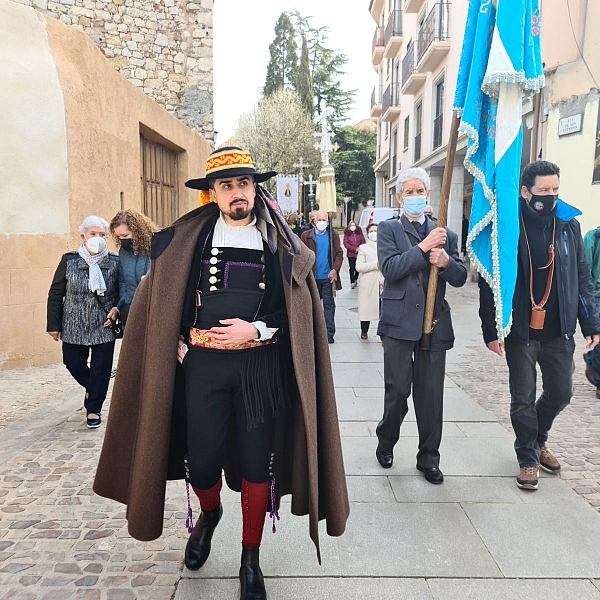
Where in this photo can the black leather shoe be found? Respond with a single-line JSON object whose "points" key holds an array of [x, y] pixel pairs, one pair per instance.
{"points": [[198, 546], [251, 578], [432, 474], [386, 459], [330, 340]]}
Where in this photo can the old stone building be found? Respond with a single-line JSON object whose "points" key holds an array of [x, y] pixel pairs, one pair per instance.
{"points": [[164, 47]]}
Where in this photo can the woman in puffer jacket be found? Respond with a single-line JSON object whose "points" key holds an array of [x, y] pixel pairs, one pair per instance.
{"points": [[353, 238], [132, 233], [81, 307]]}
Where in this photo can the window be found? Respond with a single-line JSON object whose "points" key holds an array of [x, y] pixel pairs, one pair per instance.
{"points": [[438, 115], [406, 132], [159, 182], [418, 126], [394, 152]]}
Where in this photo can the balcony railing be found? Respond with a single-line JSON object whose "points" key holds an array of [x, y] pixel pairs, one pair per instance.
{"points": [[394, 26], [438, 129], [391, 96], [417, 147], [376, 95], [408, 62], [378, 39], [435, 29]]}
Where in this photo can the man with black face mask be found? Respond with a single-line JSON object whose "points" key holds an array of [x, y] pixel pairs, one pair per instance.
{"points": [[553, 290]]}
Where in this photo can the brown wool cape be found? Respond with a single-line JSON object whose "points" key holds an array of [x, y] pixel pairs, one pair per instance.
{"points": [[145, 436]]}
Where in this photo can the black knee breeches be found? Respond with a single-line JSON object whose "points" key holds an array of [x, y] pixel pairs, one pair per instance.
{"points": [[218, 389]]}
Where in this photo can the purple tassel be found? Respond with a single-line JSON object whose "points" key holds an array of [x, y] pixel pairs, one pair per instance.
{"points": [[274, 514], [189, 521]]}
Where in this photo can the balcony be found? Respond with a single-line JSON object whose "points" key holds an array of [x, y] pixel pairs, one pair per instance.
{"points": [[433, 43], [411, 79], [438, 131], [417, 147], [376, 95], [412, 6], [391, 102], [378, 46], [393, 34], [375, 8]]}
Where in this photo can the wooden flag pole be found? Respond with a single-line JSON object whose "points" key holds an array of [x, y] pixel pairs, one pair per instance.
{"points": [[441, 222]]}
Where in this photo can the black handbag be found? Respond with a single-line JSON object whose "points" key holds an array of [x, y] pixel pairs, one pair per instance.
{"points": [[116, 324], [117, 327]]}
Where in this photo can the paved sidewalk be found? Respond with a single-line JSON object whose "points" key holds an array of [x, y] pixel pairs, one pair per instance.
{"points": [[476, 536]]}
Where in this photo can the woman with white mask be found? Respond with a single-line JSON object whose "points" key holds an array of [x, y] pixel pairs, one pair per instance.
{"points": [[353, 238], [81, 308], [370, 281]]}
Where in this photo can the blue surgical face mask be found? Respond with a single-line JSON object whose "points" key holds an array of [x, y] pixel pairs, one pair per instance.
{"points": [[415, 205]]}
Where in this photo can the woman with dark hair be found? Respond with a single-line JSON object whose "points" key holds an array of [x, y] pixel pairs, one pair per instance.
{"points": [[81, 308], [132, 233], [353, 238]]}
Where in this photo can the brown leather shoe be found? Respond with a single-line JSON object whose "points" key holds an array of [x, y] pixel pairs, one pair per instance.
{"points": [[363, 335], [589, 374], [548, 462], [528, 478]]}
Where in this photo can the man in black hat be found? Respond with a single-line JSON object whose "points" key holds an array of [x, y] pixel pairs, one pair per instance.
{"points": [[227, 279]]}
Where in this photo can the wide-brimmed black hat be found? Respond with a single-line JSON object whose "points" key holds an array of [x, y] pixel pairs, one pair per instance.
{"points": [[229, 161]]}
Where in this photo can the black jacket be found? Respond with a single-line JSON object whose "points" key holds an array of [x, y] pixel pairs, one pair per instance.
{"points": [[572, 275]]}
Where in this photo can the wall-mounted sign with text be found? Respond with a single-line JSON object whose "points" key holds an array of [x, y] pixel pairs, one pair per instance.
{"points": [[568, 125]]}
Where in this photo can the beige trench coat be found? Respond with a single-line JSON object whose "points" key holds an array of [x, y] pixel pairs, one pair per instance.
{"points": [[369, 282]]}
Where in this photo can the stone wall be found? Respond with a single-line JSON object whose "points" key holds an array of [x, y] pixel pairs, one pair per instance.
{"points": [[164, 47]]}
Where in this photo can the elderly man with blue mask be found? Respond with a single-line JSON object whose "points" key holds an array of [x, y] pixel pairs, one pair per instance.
{"points": [[406, 249]]}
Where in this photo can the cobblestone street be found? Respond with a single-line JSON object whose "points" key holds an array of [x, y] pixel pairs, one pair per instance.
{"points": [[58, 540]]}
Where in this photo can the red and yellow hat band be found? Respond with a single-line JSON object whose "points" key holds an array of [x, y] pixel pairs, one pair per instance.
{"points": [[228, 159]]}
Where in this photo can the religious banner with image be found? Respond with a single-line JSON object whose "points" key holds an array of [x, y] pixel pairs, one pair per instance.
{"points": [[287, 193]]}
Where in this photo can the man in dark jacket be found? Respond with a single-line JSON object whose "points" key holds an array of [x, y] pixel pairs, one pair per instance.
{"points": [[406, 248], [553, 290], [325, 243]]}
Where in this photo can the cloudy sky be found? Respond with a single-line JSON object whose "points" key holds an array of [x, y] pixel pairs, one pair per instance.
{"points": [[243, 31]]}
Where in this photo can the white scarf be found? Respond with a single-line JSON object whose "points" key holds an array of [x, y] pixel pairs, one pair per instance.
{"points": [[97, 283]]}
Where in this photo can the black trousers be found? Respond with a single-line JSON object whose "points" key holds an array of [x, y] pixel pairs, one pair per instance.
{"points": [[215, 395], [96, 377], [405, 365], [532, 418], [353, 271]]}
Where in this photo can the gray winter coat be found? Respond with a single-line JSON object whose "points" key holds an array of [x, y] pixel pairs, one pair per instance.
{"points": [[132, 267], [405, 269], [73, 309]]}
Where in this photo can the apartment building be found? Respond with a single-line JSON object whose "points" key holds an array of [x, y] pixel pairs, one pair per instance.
{"points": [[416, 53]]}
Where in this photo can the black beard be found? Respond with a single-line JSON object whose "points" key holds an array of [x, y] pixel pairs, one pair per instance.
{"points": [[239, 214]]}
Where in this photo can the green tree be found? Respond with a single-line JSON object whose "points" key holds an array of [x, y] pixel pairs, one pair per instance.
{"points": [[305, 83], [326, 68], [278, 132], [353, 163], [282, 70]]}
